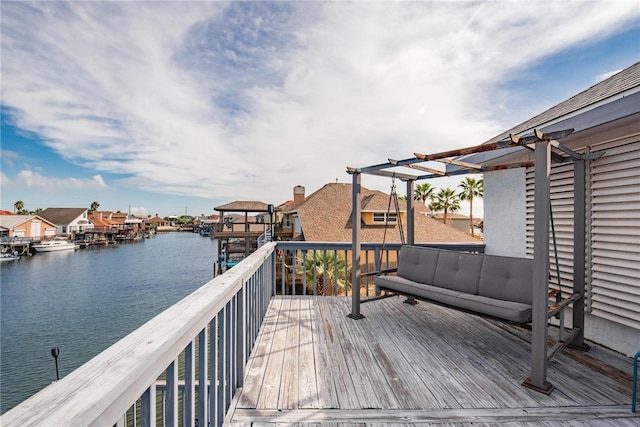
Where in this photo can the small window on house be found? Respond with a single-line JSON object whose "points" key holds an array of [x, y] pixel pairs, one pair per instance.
{"points": [[382, 217]]}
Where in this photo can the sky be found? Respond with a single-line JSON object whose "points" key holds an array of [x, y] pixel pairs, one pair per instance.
{"points": [[174, 108]]}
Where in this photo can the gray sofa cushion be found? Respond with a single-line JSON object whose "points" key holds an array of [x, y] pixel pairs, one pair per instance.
{"points": [[508, 310], [419, 290], [507, 278], [418, 264], [458, 271]]}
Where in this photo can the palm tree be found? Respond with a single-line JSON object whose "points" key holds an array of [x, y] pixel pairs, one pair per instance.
{"points": [[423, 192], [325, 270], [18, 206], [94, 207], [445, 200], [471, 189]]}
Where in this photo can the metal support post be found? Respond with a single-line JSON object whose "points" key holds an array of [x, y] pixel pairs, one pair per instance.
{"points": [[538, 379], [410, 214], [355, 247], [579, 251]]}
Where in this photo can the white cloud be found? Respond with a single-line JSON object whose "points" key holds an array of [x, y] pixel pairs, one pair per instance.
{"points": [[246, 100], [29, 179], [138, 210], [605, 76]]}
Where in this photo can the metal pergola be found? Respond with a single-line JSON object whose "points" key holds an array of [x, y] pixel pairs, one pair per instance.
{"points": [[546, 150]]}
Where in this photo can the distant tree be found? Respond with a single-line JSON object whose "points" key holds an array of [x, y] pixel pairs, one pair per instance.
{"points": [[94, 207], [471, 189], [445, 200], [184, 220], [423, 192], [404, 198], [18, 207]]}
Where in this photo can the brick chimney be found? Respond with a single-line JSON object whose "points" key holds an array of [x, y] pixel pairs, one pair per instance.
{"points": [[298, 194]]}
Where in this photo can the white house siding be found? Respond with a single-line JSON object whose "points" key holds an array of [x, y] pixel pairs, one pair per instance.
{"points": [[505, 213], [614, 185], [613, 240], [561, 185]]}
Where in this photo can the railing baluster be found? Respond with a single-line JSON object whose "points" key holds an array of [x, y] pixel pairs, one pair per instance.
{"points": [[293, 272], [220, 362], [188, 399], [283, 272], [163, 404], [346, 274], [148, 407], [172, 394], [228, 356], [202, 378], [213, 345], [241, 332]]}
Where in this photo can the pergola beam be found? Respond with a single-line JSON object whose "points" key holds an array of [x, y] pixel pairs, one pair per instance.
{"points": [[463, 164], [426, 169]]}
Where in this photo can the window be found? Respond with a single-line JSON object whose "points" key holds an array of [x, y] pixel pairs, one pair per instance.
{"points": [[382, 217]]}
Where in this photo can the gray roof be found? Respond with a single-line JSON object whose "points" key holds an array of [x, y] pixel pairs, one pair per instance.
{"points": [[62, 216], [626, 80]]}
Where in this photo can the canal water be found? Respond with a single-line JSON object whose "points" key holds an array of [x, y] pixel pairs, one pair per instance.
{"points": [[85, 300]]}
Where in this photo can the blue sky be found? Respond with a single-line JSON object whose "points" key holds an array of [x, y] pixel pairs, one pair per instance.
{"points": [[174, 107]]}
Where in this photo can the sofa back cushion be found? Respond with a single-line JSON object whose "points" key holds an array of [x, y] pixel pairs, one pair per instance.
{"points": [[418, 263], [507, 278], [458, 271]]}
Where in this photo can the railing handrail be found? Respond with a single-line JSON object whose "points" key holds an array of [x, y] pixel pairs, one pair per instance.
{"points": [[101, 390], [301, 245]]}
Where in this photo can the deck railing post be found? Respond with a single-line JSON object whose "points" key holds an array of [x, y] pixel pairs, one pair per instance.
{"points": [[356, 246]]}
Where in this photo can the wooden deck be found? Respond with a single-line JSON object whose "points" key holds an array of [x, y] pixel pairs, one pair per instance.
{"points": [[416, 365]]}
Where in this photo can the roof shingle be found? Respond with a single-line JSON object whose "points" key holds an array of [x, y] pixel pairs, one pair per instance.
{"points": [[325, 216]]}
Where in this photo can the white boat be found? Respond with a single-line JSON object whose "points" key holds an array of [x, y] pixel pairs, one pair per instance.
{"points": [[55, 245], [7, 256]]}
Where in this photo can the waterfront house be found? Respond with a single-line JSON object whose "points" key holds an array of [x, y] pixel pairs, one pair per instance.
{"points": [[102, 222], [157, 221], [32, 227], [325, 216], [67, 220]]}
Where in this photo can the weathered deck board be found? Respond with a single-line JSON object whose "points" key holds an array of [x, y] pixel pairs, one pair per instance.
{"points": [[308, 396], [413, 365]]}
